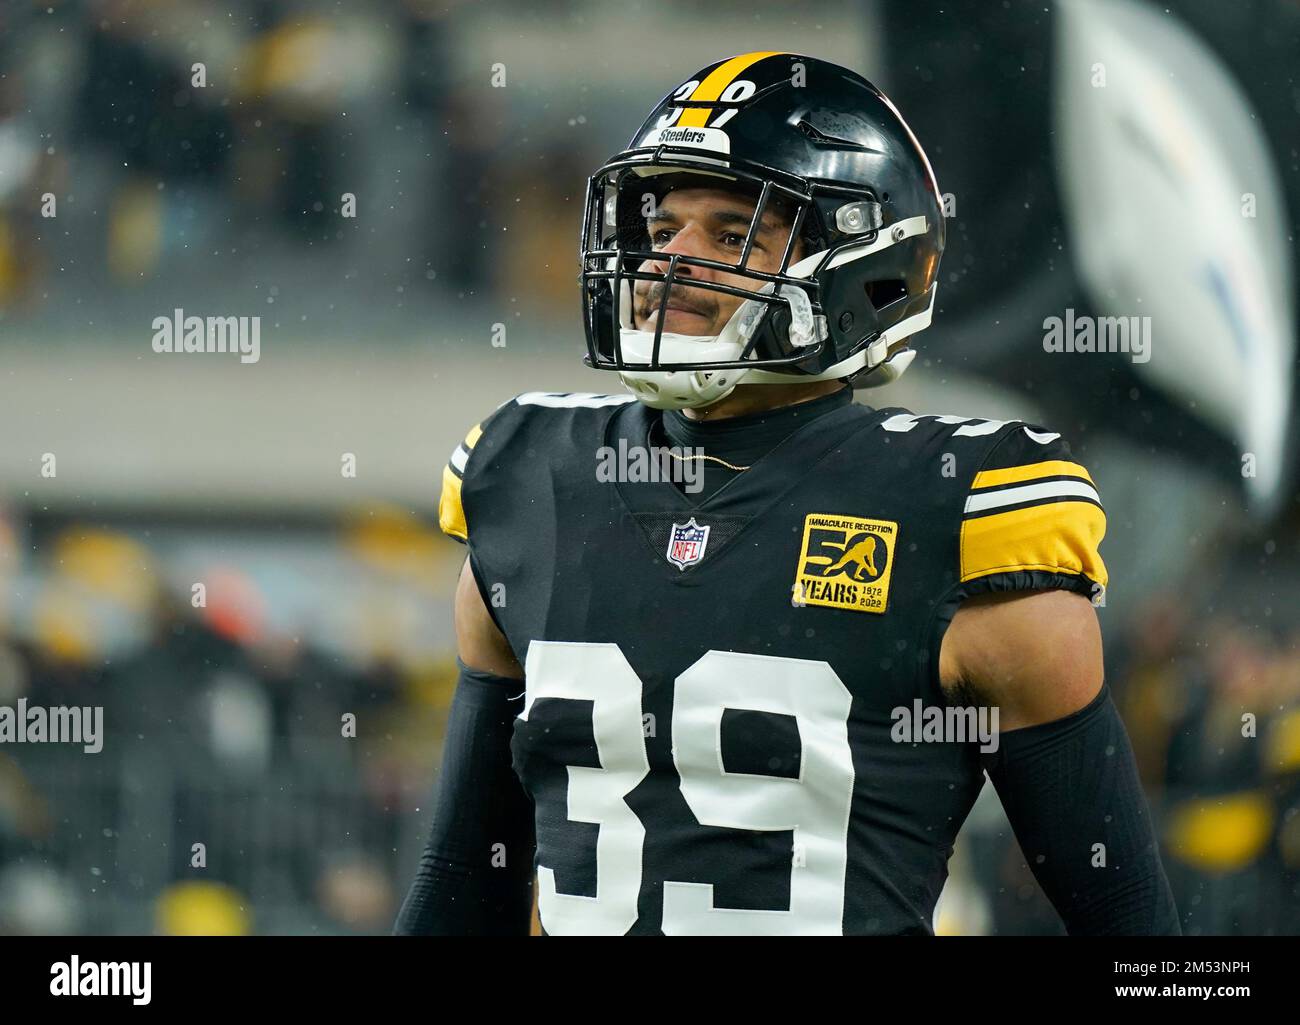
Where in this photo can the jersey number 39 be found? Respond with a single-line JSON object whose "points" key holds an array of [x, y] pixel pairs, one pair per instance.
{"points": [[815, 806]]}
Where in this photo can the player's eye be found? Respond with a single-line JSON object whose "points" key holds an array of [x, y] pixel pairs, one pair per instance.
{"points": [[661, 237], [735, 240]]}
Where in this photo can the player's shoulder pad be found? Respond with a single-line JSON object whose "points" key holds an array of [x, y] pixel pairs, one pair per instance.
{"points": [[1032, 517], [487, 442]]}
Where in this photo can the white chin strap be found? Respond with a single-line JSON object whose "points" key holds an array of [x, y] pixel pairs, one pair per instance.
{"points": [[694, 389], [680, 389]]}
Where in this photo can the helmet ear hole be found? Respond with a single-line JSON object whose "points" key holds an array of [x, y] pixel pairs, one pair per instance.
{"points": [[881, 293]]}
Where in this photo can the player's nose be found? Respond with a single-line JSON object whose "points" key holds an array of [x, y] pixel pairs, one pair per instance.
{"points": [[687, 242]]}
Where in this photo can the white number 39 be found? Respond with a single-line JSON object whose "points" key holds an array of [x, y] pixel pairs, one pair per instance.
{"points": [[815, 805]]}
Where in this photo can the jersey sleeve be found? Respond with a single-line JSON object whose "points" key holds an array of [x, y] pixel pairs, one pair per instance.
{"points": [[1032, 519], [495, 465]]}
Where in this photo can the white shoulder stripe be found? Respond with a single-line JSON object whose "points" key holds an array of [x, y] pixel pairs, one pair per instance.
{"points": [[459, 457], [1031, 493], [569, 400]]}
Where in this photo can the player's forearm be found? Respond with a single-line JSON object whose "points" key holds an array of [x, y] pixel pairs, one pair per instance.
{"points": [[475, 875], [1072, 793]]}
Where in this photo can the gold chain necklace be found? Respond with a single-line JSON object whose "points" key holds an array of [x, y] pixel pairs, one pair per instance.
{"points": [[729, 466]]}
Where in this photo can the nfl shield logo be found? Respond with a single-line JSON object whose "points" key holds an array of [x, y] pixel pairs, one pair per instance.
{"points": [[686, 543]]}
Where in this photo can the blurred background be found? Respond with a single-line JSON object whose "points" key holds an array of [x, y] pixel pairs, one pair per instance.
{"points": [[394, 186]]}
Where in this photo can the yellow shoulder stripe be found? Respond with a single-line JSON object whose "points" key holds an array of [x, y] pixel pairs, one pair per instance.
{"points": [[1058, 537], [715, 82], [451, 515], [1030, 471]]}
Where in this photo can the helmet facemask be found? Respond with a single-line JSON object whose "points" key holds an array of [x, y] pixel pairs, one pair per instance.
{"points": [[778, 325], [779, 334]]}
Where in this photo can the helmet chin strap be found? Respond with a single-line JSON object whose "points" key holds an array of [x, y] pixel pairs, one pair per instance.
{"points": [[682, 389]]}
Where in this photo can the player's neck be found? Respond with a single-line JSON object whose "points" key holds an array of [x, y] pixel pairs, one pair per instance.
{"points": [[756, 398]]}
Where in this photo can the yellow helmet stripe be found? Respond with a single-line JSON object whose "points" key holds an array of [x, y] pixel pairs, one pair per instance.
{"points": [[716, 82]]}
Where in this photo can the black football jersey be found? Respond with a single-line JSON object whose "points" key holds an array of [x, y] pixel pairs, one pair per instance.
{"points": [[711, 685]]}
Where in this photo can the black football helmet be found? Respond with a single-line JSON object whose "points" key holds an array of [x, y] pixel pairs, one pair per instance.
{"points": [[828, 149]]}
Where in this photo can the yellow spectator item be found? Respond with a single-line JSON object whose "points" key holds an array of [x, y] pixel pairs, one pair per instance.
{"points": [[107, 563], [1283, 751], [1221, 834], [202, 909], [135, 231], [394, 540], [10, 275]]}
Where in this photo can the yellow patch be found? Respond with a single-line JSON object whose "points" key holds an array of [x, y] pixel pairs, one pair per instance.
{"points": [[845, 562]]}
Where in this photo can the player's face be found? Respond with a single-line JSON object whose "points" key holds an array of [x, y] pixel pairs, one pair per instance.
{"points": [[709, 223]]}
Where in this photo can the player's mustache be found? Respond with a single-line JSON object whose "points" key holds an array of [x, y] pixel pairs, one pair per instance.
{"points": [[653, 296]]}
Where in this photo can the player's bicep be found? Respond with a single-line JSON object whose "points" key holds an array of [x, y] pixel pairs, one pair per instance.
{"points": [[1024, 635], [479, 643], [1036, 656]]}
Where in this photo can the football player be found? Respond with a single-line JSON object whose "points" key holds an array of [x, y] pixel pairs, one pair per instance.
{"points": [[680, 693]]}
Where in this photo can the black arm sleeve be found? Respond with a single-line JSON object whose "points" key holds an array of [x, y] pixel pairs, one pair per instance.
{"points": [[1068, 786], [475, 875]]}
